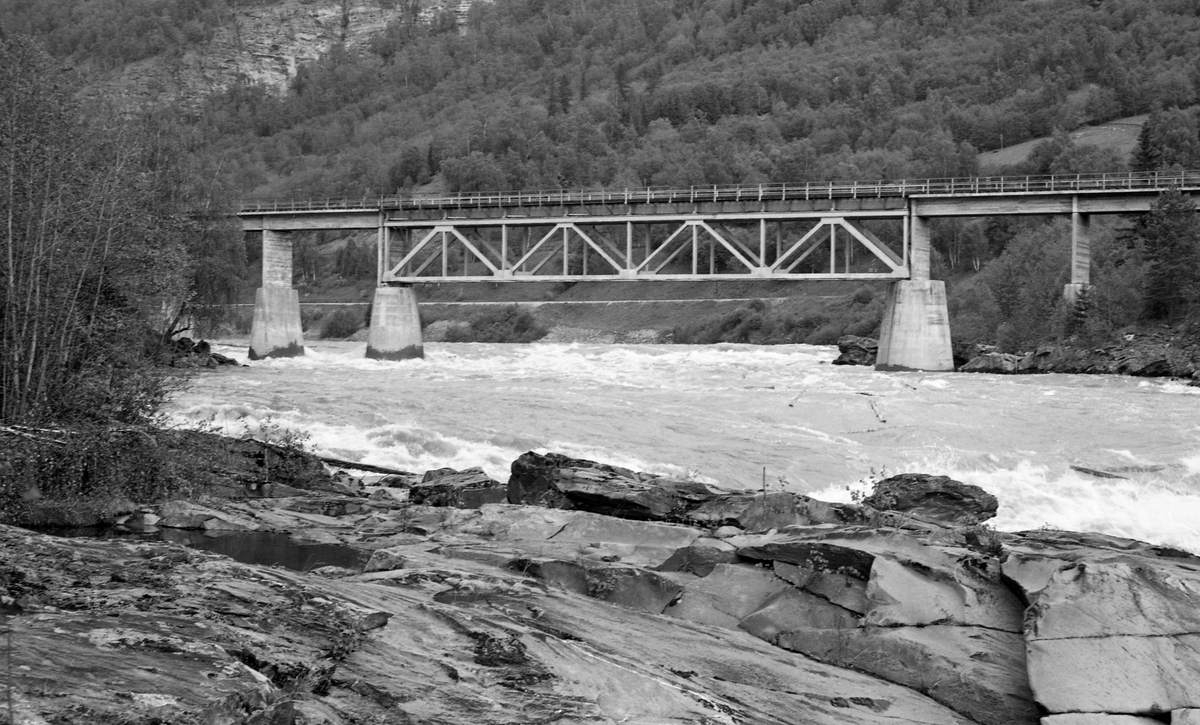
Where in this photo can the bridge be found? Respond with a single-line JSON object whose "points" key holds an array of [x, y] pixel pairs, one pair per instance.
{"points": [[831, 230]]}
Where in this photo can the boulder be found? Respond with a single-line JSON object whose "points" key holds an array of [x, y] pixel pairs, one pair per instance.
{"points": [[1112, 624], [386, 560], [701, 557], [992, 362], [933, 498], [556, 481], [467, 489], [856, 350]]}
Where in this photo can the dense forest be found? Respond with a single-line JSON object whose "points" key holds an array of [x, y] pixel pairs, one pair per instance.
{"points": [[620, 93]]}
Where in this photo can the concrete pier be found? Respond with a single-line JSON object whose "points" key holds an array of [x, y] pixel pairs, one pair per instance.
{"points": [[1081, 254], [275, 331], [395, 325], [915, 333]]}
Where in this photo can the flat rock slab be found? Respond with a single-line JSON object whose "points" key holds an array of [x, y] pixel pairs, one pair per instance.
{"points": [[192, 637], [1113, 625], [978, 672], [1099, 718], [1116, 674], [727, 595]]}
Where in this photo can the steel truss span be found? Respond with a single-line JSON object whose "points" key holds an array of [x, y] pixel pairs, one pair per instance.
{"points": [[830, 230], [824, 247]]}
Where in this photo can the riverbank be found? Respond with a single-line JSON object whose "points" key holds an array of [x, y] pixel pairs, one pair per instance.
{"points": [[599, 594]]}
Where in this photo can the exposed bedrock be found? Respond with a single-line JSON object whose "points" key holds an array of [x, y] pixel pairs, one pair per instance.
{"points": [[622, 597], [1112, 626]]}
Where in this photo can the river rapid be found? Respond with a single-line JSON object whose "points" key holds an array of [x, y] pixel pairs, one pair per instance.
{"points": [[726, 413]]}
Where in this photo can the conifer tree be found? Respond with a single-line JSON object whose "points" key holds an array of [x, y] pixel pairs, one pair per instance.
{"points": [[1170, 235]]}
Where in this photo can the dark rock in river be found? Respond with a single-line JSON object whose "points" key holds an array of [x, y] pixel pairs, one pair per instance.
{"points": [[992, 362], [184, 353], [856, 350], [933, 498]]}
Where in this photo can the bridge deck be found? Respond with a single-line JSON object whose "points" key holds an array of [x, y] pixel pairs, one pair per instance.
{"points": [[829, 230], [954, 188]]}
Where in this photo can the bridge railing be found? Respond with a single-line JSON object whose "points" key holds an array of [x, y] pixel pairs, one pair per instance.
{"points": [[957, 186]]}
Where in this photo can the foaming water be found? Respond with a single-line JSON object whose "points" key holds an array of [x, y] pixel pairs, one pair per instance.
{"points": [[736, 415]]}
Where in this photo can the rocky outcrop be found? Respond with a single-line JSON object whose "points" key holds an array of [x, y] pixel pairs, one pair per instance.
{"points": [[993, 362], [555, 613], [557, 481], [469, 488], [1112, 625], [433, 634], [930, 616], [855, 350], [1154, 354]]}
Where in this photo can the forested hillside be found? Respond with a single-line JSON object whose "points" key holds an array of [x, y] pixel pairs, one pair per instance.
{"points": [[538, 94], [650, 92]]}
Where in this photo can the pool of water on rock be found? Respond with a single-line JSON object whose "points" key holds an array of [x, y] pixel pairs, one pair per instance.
{"points": [[263, 548]]}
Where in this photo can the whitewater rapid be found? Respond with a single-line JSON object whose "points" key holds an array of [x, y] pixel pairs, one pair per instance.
{"points": [[724, 414]]}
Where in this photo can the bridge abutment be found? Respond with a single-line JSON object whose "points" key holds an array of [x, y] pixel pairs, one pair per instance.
{"points": [[915, 332], [395, 332], [276, 331]]}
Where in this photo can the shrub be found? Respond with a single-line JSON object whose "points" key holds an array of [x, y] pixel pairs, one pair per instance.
{"points": [[340, 323], [507, 324], [74, 477], [826, 334]]}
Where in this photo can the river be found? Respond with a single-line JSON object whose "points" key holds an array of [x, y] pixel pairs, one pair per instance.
{"points": [[725, 413]]}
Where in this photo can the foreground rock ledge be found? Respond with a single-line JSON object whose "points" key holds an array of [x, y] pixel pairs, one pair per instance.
{"points": [[615, 600]]}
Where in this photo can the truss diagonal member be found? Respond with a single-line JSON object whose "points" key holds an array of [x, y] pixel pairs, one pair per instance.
{"points": [[516, 268], [746, 250], [437, 253], [661, 247], [600, 250], [490, 246], [478, 254], [412, 253], [725, 243], [611, 248], [872, 243], [816, 236]]}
